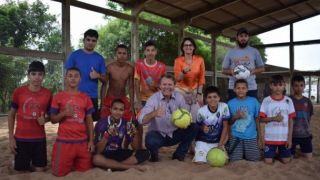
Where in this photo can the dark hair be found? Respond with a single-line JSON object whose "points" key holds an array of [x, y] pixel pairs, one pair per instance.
{"points": [[242, 30], [117, 101], [239, 81], [276, 79], [192, 42], [122, 46], [150, 43], [36, 66], [91, 33], [73, 69], [298, 78], [168, 76], [211, 89]]}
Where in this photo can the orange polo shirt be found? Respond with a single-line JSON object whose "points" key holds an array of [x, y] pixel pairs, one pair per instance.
{"points": [[194, 78]]}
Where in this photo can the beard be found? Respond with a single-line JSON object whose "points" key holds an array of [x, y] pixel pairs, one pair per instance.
{"points": [[242, 45]]}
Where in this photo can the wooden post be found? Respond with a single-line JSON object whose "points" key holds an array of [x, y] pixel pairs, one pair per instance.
{"points": [[318, 88], [181, 35], [66, 44], [291, 56], [310, 82], [213, 58], [135, 34]]}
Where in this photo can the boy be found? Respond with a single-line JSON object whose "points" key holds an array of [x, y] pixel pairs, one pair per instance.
{"points": [[244, 111], [29, 106], [110, 133], [213, 120], [301, 126], [277, 112], [73, 110]]}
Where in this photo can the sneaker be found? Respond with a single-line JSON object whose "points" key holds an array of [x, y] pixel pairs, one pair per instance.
{"points": [[154, 157], [179, 158]]}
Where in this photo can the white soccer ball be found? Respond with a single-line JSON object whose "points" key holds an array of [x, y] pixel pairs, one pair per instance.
{"points": [[241, 72]]}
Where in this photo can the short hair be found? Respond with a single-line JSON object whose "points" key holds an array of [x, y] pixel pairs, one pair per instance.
{"points": [[36, 66], [275, 79], [211, 89], [242, 30], [117, 101], [91, 33], [150, 43], [73, 69], [239, 81], [192, 42], [298, 78], [168, 76], [122, 46]]}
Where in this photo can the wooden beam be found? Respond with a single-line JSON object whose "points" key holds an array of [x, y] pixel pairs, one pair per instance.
{"points": [[291, 55], [203, 10], [213, 58], [256, 16], [31, 53], [295, 43]]}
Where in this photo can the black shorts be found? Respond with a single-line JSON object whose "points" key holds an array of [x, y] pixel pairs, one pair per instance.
{"points": [[304, 143], [96, 114], [30, 154], [118, 155]]}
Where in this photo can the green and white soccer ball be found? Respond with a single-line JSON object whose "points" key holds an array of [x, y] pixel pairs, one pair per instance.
{"points": [[181, 118]]}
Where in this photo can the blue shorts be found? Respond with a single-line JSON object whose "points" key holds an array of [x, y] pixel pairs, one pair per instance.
{"points": [[304, 143], [270, 151]]}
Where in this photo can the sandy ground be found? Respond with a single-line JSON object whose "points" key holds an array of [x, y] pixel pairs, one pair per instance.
{"points": [[300, 168]]}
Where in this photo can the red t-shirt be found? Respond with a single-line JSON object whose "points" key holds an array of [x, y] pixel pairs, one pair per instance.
{"points": [[29, 106], [149, 77], [72, 129]]}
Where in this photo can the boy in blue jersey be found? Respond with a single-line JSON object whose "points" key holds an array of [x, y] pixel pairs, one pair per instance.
{"points": [[301, 134], [213, 120], [109, 135], [244, 110], [92, 68]]}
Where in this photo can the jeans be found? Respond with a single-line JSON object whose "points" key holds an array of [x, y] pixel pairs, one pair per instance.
{"points": [[154, 140]]}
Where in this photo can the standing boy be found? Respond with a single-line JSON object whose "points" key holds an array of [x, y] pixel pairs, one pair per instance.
{"points": [[92, 67], [277, 112], [301, 135], [213, 122], [148, 72], [73, 111], [244, 111], [110, 132], [29, 105]]}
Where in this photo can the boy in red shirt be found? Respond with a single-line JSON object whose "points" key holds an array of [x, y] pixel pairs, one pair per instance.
{"points": [[29, 106], [73, 111]]}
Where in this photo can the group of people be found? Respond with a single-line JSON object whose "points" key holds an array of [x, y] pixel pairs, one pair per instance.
{"points": [[240, 127]]}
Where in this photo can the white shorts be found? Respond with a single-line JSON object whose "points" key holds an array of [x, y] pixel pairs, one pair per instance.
{"points": [[201, 151]]}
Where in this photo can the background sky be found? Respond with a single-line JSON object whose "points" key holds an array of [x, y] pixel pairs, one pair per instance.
{"points": [[306, 57]]}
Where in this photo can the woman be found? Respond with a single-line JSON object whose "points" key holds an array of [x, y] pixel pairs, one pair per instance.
{"points": [[189, 72]]}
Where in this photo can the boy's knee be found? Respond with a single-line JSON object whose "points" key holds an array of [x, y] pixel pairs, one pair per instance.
{"points": [[96, 160], [142, 155]]}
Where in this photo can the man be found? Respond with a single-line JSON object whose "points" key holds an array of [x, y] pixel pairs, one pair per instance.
{"points": [[92, 67], [245, 55], [148, 72], [157, 114], [119, 76]]}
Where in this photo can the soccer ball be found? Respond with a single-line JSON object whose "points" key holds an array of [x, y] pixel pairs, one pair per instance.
{"points": [[241, 72], [181, 118], [216, 157]]}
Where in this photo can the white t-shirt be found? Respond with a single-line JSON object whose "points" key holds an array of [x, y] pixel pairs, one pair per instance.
{"points": [[277, 132]]}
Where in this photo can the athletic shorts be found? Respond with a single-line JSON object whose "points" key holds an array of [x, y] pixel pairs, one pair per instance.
{"points": [[30, 154], [106, 106], [122, 154], [270, 151], [247, 149], [201, 151], [304, 143], [69, 156]]}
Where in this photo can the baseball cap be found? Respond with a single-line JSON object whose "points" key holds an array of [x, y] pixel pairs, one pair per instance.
{"points": [[242, 30]]}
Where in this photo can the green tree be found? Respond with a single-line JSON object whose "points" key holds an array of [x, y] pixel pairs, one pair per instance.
{"points": [[27, 25]]}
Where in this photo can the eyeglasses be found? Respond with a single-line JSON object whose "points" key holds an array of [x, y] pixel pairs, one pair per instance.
{"points": [[186, 45]]}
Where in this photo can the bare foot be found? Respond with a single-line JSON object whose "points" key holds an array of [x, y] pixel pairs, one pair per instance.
{"points": [[142, 168]]}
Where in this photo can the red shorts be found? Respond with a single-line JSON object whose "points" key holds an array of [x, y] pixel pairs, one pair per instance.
{"points": [[106, 106], [69, 156]]}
